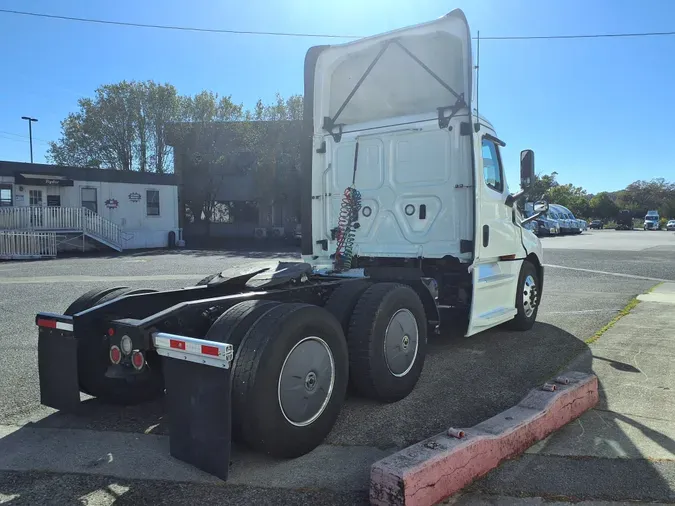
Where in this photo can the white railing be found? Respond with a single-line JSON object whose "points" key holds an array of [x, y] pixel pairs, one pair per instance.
{"points": [[97, 226], [28, 244], [61, 219]]}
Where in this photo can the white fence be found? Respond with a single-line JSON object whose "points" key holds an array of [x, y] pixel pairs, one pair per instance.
{"points": [[25, 245], [61, 219]]}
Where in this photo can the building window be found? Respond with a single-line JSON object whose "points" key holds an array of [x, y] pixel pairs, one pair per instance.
{"points": [[54, 200], [152, 202], [35, 197], [6, 199], [89, 199], [237, 211], [492, 167]]}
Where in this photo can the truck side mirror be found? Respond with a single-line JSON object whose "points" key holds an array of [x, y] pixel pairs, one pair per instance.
{"points": [[540, 207], [526, 168]]}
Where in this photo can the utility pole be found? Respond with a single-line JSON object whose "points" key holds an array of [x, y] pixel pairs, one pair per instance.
{"points": [[30, 133]]}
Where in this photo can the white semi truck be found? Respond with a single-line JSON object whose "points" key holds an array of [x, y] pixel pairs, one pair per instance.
{"points": [[405, 210], [652, 221]]}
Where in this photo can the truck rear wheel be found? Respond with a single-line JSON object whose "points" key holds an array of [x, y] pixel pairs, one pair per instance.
{"points": [[90, 299], [387, 342], [93, 360], [342, 301], [231, 327], [290, 379]]}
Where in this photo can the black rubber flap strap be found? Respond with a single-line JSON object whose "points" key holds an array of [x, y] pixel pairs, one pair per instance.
{"points": [[198, 403], [57, 368]]}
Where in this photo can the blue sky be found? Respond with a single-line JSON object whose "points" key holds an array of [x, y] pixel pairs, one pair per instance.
{"points": [[593, 110]]}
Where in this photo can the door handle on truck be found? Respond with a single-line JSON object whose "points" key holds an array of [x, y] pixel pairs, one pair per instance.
{"points": [[486, 236]]}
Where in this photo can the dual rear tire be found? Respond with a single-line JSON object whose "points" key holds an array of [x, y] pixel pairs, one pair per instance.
{"points": [[289, 374], [292, 362]]}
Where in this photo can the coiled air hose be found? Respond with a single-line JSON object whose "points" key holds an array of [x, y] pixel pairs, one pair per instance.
{"points": [[348, 221]]}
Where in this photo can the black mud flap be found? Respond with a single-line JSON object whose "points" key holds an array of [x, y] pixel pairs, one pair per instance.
{"points": [[198, 404], [57, 366]]}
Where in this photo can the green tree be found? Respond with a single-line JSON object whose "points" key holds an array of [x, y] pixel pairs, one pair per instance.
{"points": [[603, 206], [121, 127], [572, 197], [642, 196], [541, 186]]}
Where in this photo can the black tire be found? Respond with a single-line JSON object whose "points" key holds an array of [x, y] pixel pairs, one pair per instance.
{"points": [[342, 301], [93, 362], [369, 371], [257, 383], [231, 327], [524, 321], [90, 299]]}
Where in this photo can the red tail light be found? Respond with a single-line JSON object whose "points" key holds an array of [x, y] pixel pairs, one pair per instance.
{"points": [[115, 354], [137, 360]]}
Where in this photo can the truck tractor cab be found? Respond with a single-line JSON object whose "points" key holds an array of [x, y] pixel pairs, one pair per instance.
{"points": [[567, 224], [624, 220], [404, 175], [544, 225], [576, 225], [652, 221]]}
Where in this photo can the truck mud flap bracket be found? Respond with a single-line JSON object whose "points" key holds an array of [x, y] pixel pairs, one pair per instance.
{"points": [[198, 400], [57, 362]]}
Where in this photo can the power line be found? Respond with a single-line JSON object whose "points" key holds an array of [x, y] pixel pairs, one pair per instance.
{"points": [[325, 35], [581, 36], [181, 28], [24, 138]]}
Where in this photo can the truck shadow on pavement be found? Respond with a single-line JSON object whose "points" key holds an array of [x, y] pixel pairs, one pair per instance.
{"points": [[465, 381], [594, 457]]}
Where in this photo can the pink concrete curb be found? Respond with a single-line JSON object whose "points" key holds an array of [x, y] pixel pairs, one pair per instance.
{"points": [[428, 472]]}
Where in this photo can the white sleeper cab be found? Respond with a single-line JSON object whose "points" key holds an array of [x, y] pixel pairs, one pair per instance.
{"points": [[404, 175]]}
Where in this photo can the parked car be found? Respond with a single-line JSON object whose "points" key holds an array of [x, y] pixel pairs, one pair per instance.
{"points": [[596, 224], [670, 225]]}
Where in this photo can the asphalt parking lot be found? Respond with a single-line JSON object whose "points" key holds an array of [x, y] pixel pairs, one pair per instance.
{"points": [[110, 452]]}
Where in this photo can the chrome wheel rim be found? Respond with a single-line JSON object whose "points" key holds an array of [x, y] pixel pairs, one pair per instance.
{"points": [[401, 342], [306, 381], [529, 296]]}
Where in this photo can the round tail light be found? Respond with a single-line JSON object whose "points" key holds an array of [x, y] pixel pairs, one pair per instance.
{"points": [[125, 344], [137, 360], [115, 354]]}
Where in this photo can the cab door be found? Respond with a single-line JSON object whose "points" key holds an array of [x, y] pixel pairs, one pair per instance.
{"points": [[498, 250]]}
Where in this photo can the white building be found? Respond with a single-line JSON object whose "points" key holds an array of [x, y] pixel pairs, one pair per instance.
{"points": [[88, 208]]}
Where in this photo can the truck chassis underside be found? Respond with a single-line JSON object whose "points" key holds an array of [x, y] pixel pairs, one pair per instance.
{"points": [[167, 332]]}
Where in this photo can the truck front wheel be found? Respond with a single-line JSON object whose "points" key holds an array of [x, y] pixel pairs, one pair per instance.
{"points": [[290, 379], [387, 342], [528, 296]]}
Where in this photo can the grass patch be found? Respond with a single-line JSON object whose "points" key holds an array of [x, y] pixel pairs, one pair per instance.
{"points": [[629, 307], [655, 287]]}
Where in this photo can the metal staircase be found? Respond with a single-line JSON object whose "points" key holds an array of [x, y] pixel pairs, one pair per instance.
{"points": [[68, 222]]}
